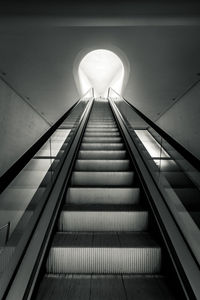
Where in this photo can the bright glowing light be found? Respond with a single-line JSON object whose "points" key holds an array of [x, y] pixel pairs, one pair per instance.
{"points": [[101, 69]]}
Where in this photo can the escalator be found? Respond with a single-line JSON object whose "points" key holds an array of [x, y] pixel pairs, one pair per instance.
{"points": [[110, 215], [106, 245]]}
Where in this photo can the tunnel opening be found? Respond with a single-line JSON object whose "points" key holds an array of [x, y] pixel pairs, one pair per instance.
{"points": [[101, 69]]}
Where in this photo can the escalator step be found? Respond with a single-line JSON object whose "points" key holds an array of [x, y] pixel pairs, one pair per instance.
{"points": [[103, 195], [103, 221], [101, 134], [104, 253], [102, 140], [107, 287], [102, 165], [102, 154], [101, 130], [101, 125], [102, 146], [102, 178]]}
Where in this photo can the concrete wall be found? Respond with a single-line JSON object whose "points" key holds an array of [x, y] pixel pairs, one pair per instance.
{"points": [[182, 120], [20, 126]]}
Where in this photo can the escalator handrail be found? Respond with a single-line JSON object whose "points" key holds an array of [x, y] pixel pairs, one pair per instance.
{"points": [[16, 168], [182, 257], [193, 160], [11, 281]]}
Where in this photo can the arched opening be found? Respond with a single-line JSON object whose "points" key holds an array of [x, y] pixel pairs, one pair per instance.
{"points": [[101, 69]]}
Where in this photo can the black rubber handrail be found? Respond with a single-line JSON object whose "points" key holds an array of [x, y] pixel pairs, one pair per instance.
{"points": [[177, 245], [193, 160], [16, 168], [51, 198]]}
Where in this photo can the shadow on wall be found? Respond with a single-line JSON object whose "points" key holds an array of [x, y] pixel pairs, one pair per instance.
{"points": [[101, 69]]}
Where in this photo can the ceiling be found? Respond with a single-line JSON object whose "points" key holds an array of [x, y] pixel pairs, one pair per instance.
{"points": [[38, 49]]}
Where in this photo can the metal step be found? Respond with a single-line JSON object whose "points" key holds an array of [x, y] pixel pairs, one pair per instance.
{"points": [[102, 165], [102, 154], [93, 123], [102, 140], [80, 178], [103, 195], [102, 134], [101, 125], [107, 287], [103, 253], [102, 219], [102, 116], [102, 146], [101, 130]]}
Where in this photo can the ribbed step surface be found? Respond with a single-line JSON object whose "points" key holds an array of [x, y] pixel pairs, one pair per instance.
{"points": [[102, 165], [101, 130], [103, 195], [102, 146], [101, 125], [102, 140], [103, 219], [104, 253], [80, 178], [102, 134], [102, 154]]}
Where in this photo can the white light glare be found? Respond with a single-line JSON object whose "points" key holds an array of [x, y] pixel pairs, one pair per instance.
{"points": [[101, 69]]}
